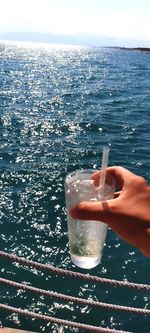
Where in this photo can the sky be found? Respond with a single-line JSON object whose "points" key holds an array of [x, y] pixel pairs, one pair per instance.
{"points": [[126, 19]]}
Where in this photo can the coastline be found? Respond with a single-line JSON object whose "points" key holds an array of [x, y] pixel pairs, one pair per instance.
{"points": [[141, 49]]}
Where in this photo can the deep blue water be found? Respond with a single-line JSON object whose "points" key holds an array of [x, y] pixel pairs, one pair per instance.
{"points": [[58, 107]]}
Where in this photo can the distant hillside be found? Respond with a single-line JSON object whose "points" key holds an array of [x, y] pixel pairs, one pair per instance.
{"points": [[142, 49], [77, 39], [37, 37]]}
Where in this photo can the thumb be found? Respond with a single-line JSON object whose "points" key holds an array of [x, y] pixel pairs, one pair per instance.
{"points": [[101, 210]]}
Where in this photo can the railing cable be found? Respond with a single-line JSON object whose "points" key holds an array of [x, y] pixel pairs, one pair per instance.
{"points": [[75, 299], [49, 319], [65, 272]]}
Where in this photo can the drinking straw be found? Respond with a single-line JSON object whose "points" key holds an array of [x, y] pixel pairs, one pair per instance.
{"points": [[103, 170]]}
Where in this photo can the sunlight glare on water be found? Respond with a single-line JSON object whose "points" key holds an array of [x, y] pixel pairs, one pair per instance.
{"points": [[58, 107]]}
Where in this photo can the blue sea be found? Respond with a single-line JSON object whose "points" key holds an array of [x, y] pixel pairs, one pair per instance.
{"points": [[59, 105]]}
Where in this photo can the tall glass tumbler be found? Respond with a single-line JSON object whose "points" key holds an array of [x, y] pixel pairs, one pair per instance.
{"points": [[86, 238]]}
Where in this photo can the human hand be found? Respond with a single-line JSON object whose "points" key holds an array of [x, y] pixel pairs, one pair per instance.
{"points": [[128, 214]]}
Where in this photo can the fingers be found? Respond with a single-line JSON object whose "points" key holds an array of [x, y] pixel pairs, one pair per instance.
{"points": [[121, 175], [100, 211]]}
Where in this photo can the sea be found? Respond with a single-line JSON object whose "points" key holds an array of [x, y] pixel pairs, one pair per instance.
{"points": [[59, 106]]}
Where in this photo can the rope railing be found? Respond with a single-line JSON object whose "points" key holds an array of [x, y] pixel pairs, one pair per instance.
{"points": [[68, 323], [74, 299], [65, 272], [64, 297]]}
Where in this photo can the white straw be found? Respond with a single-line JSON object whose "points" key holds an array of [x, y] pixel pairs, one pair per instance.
{"points": [[103, 170]]}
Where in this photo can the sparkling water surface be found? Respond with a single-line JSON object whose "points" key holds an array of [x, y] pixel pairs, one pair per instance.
{"points": [[58, 107]]}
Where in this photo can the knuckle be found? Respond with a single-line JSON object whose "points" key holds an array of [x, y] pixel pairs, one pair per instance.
{"points": [[113, 206], [140, 181]]}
